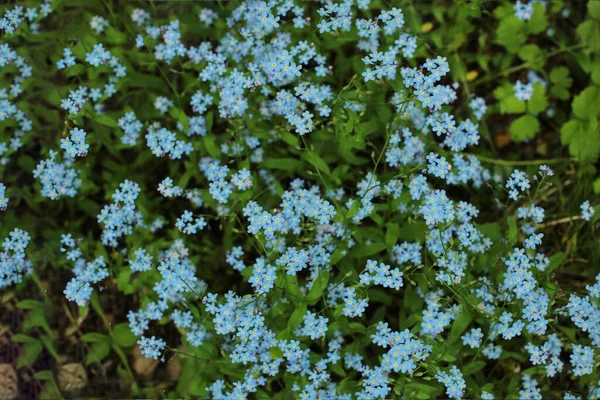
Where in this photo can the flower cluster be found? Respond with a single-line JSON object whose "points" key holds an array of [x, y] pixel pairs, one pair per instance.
{"points": [[57, 179], [167, 189], [14, 264], [188, 224], [323, 192], [75, 145], [132, 128], [120, 217], [3, 198], [382, 275]]}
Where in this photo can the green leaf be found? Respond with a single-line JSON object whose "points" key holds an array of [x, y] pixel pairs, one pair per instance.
{"points": [[533, 55], [93, 337], [583, 140], [594, 8], [512, 231], [98, 352], [473, 367], [508, 102], [124, 336], [318, 287], [538, 101], [123, 279], [538, 21], [29, 353], [75, 70], [560, 76], [211, 147], [20, 338], [276, 353], [297, 316], [353, 208], [106, 120], [181, 117], [30, 304], [291, 285], [589, 31], [47, 341], [287, 164], [523, 128], [597, 186], [460, 324], [316, 161], [368, 250], [596, 72], [585, 105], [555, 261], [511, 33], [391, 234]]}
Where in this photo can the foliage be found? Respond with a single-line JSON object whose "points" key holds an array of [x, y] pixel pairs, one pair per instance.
{"points": [[301, 200]]}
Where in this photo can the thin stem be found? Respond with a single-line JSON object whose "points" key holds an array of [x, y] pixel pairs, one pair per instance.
{"points": [[526, 162], [561, 221]]}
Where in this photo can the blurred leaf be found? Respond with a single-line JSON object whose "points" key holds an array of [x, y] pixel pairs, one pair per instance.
{"points": [[523, 128]]}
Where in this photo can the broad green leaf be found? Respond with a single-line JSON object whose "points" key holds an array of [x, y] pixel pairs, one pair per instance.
{"points": [[511, 33], [583, 140], [538, 21], [594, 9], [368, 250], [523, 128], [533, 55], [538, 101], [29, 353], [460, 324], [473, 367], [508, 102], [297, 316], [288, 164], [106, 120], [124, 336], [316, 161], [589, 31], [318, 287], [585, 105], [211, 147]]}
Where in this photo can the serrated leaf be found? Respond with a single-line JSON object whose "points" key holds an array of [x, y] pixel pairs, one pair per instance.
{"points": [[585, 105], [589, 31], [523, 128], [583, 141], [538, 101], [538, 21], [511, 33], [533, 55]]}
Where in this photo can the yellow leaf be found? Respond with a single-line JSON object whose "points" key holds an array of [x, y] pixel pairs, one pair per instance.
{"points": [[427, 26], [472, 75]]}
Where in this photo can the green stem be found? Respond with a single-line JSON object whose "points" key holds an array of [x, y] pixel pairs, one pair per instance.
{"points": [[523, 163]]}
